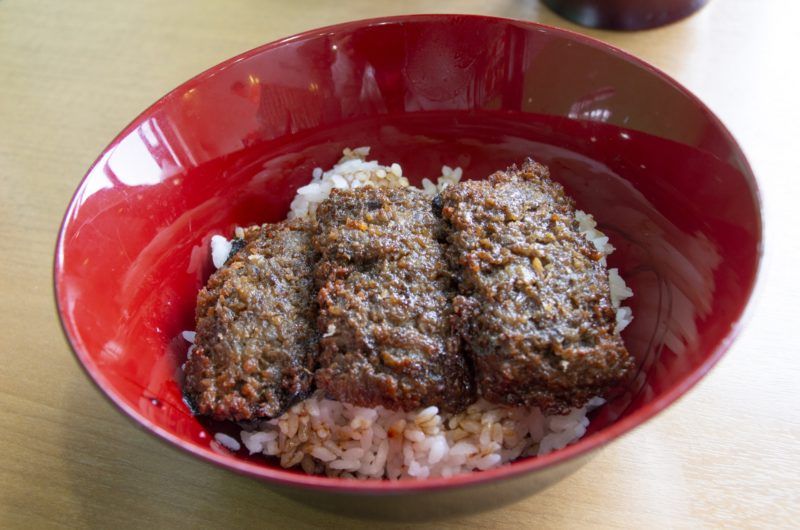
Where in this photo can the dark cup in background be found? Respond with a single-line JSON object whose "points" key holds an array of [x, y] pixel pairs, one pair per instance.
{"points": [[624, 14]]}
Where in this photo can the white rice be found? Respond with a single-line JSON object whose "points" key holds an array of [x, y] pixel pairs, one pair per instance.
{"points": [[338, 439], [619, 291], [220, 250], [228, 442], [354, 171]]}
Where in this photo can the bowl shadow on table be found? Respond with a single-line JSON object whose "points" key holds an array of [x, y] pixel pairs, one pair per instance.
{"points": [[119, 476]]}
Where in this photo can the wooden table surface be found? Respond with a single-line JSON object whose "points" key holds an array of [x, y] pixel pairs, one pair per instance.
{"points": [[73, 74]]}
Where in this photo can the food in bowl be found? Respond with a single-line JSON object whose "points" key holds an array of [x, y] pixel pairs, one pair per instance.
{"points": [[385, 303], [535, 306], [255, 334], [447, 329]]}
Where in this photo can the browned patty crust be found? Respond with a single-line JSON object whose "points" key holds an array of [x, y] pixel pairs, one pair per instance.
{"points": [[534, 308], [385, 309], [256, 338]]}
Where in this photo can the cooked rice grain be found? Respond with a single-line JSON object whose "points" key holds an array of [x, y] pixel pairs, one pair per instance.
{"points": [[378, 443]]}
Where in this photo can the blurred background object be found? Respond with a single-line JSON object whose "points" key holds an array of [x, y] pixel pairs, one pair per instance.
{"points": [[624, 14]]}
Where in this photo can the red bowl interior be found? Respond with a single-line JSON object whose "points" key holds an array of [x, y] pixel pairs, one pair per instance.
{"points": [[661, 174]]}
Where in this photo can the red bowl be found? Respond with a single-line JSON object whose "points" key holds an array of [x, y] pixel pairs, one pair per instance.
{"points": [[662, 175]]}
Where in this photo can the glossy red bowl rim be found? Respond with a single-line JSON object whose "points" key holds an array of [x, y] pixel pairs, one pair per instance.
{"points": [[583, 446]]}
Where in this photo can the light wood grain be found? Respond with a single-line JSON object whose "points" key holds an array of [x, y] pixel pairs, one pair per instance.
{"points": [[72, 74]]}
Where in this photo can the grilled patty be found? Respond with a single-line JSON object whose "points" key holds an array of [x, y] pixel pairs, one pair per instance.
{"points": [[256, 340], [534, 308], [385, 309]]}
